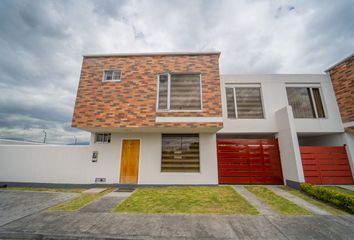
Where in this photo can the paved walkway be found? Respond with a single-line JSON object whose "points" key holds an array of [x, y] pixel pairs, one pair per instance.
{"points": [[78, 225], [299, 201], [349, 187], [107, 202], [18, 204], [259, 205]]}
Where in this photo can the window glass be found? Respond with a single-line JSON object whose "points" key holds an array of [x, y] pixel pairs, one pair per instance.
{"points": [[163, 89], [230, 102], [300, 100], [179, 92], [185, 92], [180, 153], [112, 75], [248, 102], [318, 102], [102, 138]]}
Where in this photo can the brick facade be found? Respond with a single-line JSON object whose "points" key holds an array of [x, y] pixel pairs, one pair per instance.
{"points": [[131, 103], [342, 76]]}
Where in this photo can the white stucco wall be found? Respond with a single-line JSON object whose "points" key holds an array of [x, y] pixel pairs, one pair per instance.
{"points": [[45, 164], [72, 164], [289, 146], [273, 88]]}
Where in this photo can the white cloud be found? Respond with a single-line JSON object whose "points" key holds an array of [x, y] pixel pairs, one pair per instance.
{"points": [[42, 42]]}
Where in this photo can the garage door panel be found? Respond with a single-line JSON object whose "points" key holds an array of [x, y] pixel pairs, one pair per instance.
{"points": [[326, 165], [249, 161]]}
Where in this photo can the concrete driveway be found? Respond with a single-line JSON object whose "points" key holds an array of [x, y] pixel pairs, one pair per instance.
{"points": [[26, 219], [17, 204]]}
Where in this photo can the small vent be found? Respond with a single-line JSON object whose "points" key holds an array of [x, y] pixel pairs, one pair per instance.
{"points": [[100, 180]]}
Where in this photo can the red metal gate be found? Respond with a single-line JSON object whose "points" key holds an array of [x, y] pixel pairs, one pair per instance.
{"points": [[326, 165], [249, 161]]}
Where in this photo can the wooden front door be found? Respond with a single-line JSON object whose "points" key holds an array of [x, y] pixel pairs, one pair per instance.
{"points": [[129, 161]]}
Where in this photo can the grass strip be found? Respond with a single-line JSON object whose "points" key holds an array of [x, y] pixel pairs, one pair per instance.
{"points": [[188, 200], [279, 204], [79, 202], [325, 206], [40, 189]]}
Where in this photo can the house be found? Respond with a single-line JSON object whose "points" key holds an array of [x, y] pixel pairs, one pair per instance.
{"points": [[170, 118]]}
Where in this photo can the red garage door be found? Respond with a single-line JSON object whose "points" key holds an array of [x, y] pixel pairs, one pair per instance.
{"points": [[326, 165], [249, 161]]}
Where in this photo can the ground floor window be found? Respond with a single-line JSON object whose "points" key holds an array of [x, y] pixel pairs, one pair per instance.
{"points": [[180, 153], [102, 138]]}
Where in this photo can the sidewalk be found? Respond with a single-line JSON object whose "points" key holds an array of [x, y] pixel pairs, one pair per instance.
{"points": [[76, 225]]}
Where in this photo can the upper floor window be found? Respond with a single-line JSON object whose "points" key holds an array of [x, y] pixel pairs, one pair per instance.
{"points": [[306, 102], [112, 75], [244, 101], [179, 91], [102, 138]]}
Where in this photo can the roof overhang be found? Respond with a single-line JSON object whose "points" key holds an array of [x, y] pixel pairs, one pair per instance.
{"points": [[153, 54]]}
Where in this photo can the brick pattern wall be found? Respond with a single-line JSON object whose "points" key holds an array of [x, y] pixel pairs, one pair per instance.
{"points": [[342, 77], [131, 103]]}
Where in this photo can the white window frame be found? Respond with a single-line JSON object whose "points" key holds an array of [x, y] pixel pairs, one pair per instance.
{"points": [[169, 93], [310, 86], [244, 85], [109, 138], [113, 80]]}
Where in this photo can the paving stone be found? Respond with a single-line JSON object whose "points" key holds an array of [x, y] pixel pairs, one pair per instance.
{"points": [[17, 204], [119, 194], [105, 204], [94, 190], [299, 201], [349, 187], [88, 225], [259, 205]]}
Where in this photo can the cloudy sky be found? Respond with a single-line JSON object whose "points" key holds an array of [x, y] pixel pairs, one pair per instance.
{"points": [[42, 43]]}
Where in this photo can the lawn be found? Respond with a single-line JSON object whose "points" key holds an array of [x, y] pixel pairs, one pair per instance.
{"points": [[276, 202], [188, 200], [40, 189], [79, 202], [331, 209]]}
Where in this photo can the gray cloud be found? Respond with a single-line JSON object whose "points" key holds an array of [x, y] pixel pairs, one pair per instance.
{"points": [[42, 42]]}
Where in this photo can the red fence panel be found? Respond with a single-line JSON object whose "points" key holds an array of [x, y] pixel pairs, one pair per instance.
{"points": [[249, 161], [326, 165]]}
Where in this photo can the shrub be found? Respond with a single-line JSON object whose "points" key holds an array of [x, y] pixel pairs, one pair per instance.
{"points": [[339, 199]]}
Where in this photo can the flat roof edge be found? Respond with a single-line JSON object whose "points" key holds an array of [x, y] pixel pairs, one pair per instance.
{"points": [[340, 62], [152, 54]]}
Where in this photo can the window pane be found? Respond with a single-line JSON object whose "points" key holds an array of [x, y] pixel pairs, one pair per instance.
{"points": [[318, 102], [108, 75], [300, 100], [249, 103], [230, 103], [116, 75], [185, 92], [180, 153], [163, 86]]}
